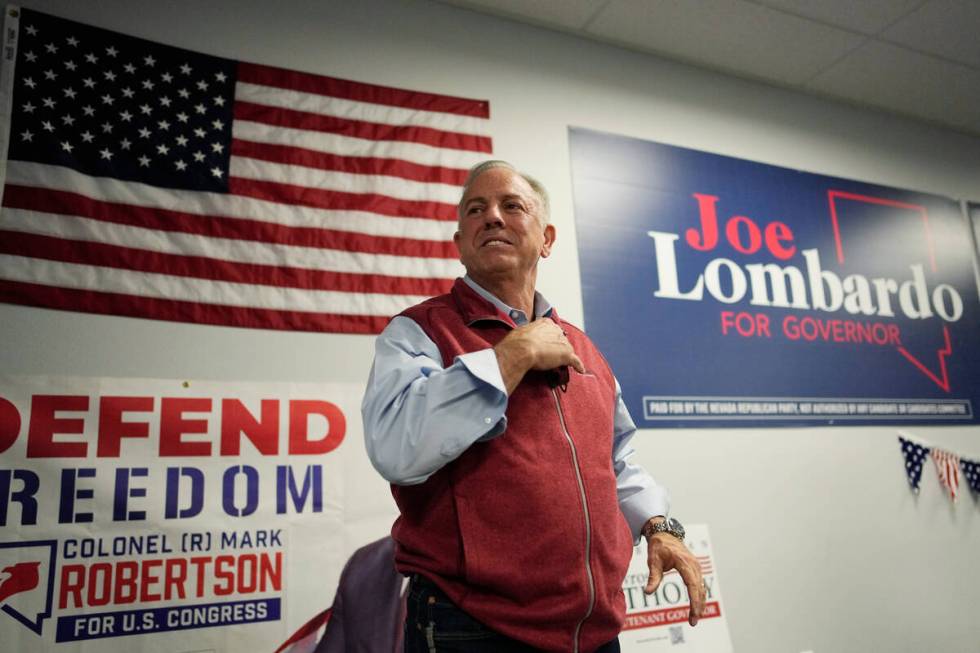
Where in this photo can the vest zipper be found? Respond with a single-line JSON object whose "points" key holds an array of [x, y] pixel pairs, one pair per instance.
{"points": [[588, 522]]}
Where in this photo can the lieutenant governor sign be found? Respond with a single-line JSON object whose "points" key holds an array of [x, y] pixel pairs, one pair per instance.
{"points": [[729, 292]]}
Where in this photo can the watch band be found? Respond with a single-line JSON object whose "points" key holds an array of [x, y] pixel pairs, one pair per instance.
{"points": [[668, 525]]}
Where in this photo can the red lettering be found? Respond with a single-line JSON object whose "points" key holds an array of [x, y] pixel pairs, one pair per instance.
{"points": [[893, 335], [148, 580], [200, 562], [732, 233], [299, 412], [270, 574], [247, 578], [103, 569], [72, 582], [778, 233], [236, 421], [224, 571], [126, 576], [708, 237], [112, 428], [173, 426], [9, 424], [175, 573], [44, 425]]}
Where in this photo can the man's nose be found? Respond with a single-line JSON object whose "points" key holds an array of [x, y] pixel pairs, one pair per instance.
{"points": [[493, 217]]}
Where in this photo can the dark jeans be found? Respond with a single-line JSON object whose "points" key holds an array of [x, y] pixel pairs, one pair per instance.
{"points": [[434, 624]]}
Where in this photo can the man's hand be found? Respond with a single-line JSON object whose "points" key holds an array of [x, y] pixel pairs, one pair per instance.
{"points": [[665, 552], [540, 345]]}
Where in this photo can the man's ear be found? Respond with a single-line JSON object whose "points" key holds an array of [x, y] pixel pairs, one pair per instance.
{"points": [[549, 240]]}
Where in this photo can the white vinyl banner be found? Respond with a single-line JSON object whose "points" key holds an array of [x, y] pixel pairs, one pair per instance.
{"points": [[658, 622], [172, 516]]}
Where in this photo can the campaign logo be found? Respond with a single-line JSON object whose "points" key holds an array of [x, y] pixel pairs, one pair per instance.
{"points": [[27, 581]]}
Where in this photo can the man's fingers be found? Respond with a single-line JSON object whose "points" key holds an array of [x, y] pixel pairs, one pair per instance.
{"points": [[576, 362], [656, 573], [695, 590]]}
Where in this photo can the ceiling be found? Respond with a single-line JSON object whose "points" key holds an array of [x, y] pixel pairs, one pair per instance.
{"points": [[919, 58]]}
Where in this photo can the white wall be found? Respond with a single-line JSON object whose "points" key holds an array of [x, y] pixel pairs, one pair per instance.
{"points": [[820, 546]]}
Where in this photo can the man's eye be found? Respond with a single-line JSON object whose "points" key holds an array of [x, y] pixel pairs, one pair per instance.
{"points": [[474, 209], [513, 206]]}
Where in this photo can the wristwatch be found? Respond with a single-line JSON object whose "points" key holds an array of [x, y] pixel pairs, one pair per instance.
{"points": [[669, 525]]}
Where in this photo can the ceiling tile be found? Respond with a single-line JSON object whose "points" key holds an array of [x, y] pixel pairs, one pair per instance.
{"points": [[895, 79], [732, 35], [948, 28], [866, 16], [565, 14]]}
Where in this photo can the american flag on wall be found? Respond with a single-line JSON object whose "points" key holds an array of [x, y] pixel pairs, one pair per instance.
{"points": [[948, 469], [150, 181]]}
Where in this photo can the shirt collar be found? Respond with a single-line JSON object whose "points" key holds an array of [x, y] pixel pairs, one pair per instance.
{"points": [[541, 306]]}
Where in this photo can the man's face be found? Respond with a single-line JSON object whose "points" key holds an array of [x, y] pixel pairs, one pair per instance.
{"points": [[499, 231]]}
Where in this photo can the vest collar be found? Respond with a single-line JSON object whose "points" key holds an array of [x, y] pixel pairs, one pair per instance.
{"points": [[475, 308]]}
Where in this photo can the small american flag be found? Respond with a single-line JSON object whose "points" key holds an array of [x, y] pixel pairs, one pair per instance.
{"points": [[150, 181], [948, 468], [971, 471], [914, 455]]}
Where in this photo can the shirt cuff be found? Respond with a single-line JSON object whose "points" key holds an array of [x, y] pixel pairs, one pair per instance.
{"points": [[483, 365], [638, 508]]}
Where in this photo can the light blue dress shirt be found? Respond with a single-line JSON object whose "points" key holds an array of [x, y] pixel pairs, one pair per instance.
{"points": [[420, 414]]}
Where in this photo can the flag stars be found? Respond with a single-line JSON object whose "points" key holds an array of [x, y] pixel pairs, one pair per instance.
{"points": [[144, 132], [199, 156], [107, 99], [221, 77], [165, 101], [68, 119], [219, 101], [199, 108], [109, 75], [144, 161], [129, 68], [111, 51], [47, 126], [149, 60], [202, 85], [27, 136], [29, 108], [182, 140], [107, 127], [31, 30], [105, 153], [71, 65], [166, 77], [217, 124], [48, 103], [147, 84], [30, 83], [217, 148], [50, 74], [88, 82], [180, 164], [182, 117], [87, 136], [145, 109], [128, 92], [185, 69], [91, 58], [162, 149], [88, 110], [72, 41], [30, 56], [216, 172], [200, 133], [184, 93], [163, 124], [70, 93], [125, 143], [51, 47], [67, 147], [126, 116]]}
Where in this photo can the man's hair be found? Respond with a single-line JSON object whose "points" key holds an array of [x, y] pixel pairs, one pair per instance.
{"points": [[544, 206]]}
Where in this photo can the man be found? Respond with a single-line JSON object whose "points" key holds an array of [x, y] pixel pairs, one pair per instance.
{"points": [[503, 433]]}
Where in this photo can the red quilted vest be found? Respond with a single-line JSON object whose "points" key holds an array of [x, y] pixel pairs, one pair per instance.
{"points": [[524, 531]]}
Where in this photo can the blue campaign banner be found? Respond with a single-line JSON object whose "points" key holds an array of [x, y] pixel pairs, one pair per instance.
{"points": [[726, 292]]}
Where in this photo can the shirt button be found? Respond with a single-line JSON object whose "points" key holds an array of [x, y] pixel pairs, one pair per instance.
{"points": [[487, 420], [514, 315]]}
